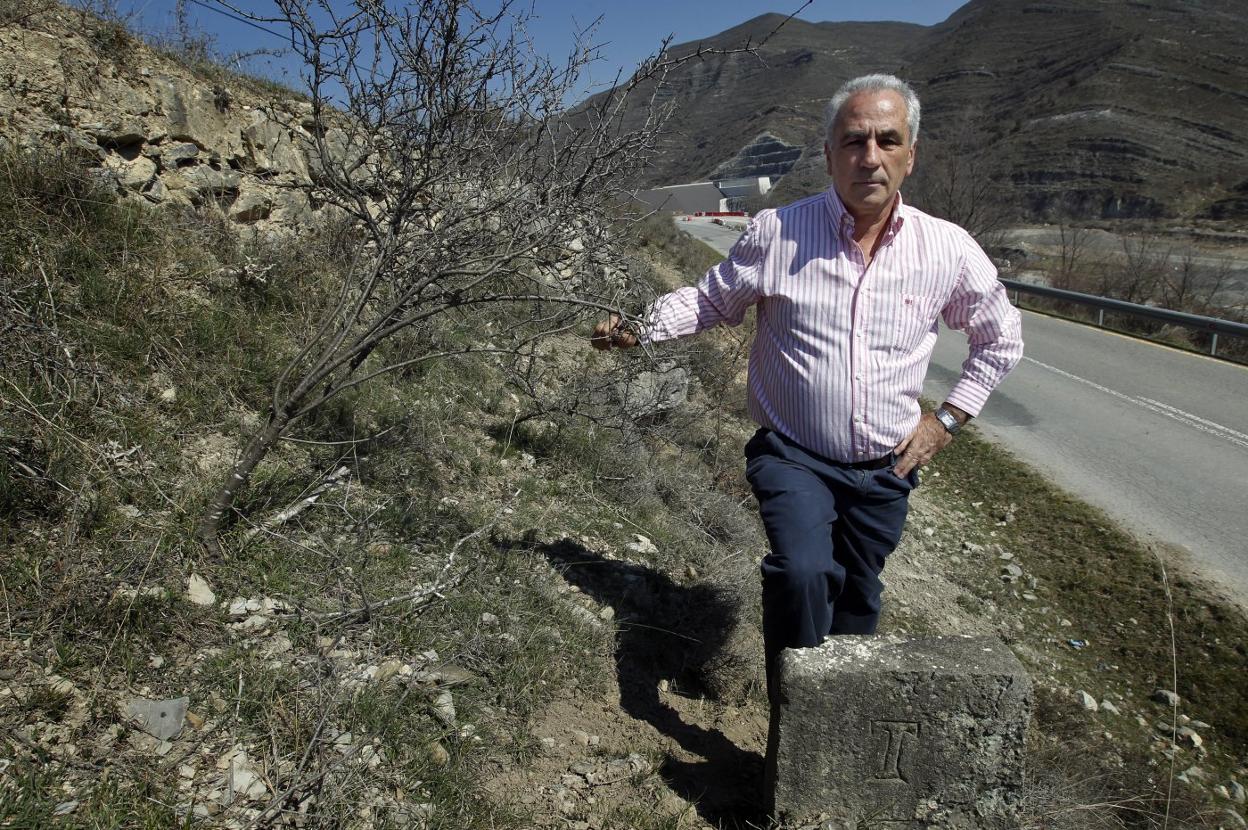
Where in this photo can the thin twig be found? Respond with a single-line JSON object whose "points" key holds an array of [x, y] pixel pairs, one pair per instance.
{"points": [[631, 624], [283, 516], [276, 803], [126, 616], [238, 698], [1174, 687], [271, 812], [8, 613], [353, 442]]}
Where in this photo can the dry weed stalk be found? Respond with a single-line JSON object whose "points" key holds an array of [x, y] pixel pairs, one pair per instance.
{"points": [[286, 514], [1174, 686]]}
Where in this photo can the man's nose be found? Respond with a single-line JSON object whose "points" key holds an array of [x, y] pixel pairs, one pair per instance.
{"points": [[871, 154]]}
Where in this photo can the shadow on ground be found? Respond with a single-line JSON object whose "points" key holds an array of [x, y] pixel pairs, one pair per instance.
{"points": [[667, 631]]}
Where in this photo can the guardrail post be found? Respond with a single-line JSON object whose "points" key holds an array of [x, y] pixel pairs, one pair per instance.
{"points": [[1213, 345], [1100, 317]]}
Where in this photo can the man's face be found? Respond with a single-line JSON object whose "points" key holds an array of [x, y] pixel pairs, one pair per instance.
{"points": [[870, 152]]}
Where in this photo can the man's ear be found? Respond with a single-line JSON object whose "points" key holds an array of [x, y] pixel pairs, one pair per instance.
{"points": [[914, 145]]}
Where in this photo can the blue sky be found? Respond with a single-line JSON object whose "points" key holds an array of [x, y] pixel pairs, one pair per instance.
{"points": [[627, 31]]}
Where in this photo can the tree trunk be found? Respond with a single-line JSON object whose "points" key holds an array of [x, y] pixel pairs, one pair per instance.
{"points": [[214, 518]]}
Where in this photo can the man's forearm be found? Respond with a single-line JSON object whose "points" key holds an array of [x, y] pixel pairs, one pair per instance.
{"points": [[993, 327]]}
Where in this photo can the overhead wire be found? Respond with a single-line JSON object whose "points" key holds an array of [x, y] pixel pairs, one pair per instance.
{"points": [[239, 18]]}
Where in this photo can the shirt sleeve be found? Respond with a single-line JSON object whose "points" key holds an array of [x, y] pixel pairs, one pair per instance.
{"points": [[723, 294], [980, 307]]}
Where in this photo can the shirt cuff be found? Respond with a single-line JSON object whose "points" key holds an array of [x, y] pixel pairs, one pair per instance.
{"points": [[968, 396]]}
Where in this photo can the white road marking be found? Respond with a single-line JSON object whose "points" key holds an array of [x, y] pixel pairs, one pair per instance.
{"points": [[1235, 435], [1186, 418]]}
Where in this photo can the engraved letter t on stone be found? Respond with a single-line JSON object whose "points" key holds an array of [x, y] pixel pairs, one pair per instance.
{"points": [[891, 766]]}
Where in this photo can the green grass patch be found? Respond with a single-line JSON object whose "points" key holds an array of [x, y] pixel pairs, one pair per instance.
{"points": [[1108, 583], [35, 798]]}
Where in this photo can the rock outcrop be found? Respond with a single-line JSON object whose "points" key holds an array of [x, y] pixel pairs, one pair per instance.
{"points": [[162, 133], [871, 731]]}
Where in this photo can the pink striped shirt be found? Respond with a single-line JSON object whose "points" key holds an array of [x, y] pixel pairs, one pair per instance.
{"points": [[841, 349]]}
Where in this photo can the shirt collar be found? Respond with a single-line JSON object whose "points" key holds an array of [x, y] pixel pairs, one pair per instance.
{"points": [[843, 219]]}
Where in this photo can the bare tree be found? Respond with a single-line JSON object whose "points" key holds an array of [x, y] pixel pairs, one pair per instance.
{"points": [[481, 202], [1137, 275], [1072, 256], [959, 178], [1188, 285]]}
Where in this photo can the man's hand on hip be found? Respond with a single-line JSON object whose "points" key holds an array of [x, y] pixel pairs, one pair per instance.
{"points": [[925, 441], [612, 333]]}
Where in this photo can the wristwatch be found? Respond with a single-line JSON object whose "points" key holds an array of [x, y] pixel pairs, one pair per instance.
{"points": [[947, 420]]}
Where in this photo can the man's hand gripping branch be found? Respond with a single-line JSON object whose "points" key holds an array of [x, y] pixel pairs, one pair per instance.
{"points": [[613, 333]]}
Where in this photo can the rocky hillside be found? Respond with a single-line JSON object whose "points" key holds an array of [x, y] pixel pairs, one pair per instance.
{"points": [[1105, 108], [1095, 108], [162, 132]]}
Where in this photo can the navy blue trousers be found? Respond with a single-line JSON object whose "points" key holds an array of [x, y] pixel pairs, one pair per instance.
{"points": [[830, 527]]}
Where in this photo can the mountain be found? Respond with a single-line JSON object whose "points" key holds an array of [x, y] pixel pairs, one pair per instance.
{"points": [[725, 104], [1093, 108], [1110, 108]]}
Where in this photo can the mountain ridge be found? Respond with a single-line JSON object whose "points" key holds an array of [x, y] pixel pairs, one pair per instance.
{"points": [[1080, 108]]}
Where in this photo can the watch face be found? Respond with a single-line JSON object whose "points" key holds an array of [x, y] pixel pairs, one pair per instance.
{"points": [[946, 418]]}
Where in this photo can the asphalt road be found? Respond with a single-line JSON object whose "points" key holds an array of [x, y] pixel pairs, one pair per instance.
{"points": [[1156, 437], [717, 236]]}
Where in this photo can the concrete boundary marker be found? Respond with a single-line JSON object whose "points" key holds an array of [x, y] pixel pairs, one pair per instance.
{"points": [[899, 733]]}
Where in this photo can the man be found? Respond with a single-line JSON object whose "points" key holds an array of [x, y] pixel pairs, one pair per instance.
{"points": [[849, 286]]}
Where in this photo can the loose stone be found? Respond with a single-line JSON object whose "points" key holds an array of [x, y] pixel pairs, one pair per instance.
{"points": [[444, 708], [1189, 735], [199, 592], [1166, 696]]}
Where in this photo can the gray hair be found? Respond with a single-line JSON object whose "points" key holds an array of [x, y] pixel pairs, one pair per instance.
{"points": [[874, 83]]}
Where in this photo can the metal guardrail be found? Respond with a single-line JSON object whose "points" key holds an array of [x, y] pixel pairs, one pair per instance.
{"points": [[1102, 304]]}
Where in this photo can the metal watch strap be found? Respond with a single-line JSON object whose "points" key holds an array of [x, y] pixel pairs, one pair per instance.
{"points": [[947, 420]]}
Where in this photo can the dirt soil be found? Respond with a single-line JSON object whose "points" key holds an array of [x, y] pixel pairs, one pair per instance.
{"points": [[648, 744]]}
